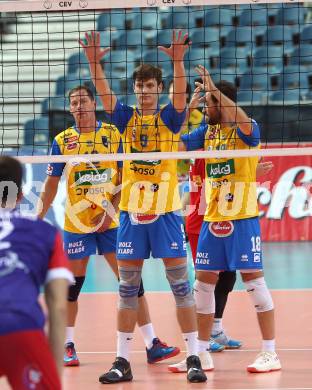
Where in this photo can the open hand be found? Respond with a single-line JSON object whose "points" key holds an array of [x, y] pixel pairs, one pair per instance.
{"points": [[178, 46], [92, 47]]}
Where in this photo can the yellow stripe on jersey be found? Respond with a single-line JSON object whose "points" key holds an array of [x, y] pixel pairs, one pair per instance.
{"points": [[90, 186], [230, 183]]}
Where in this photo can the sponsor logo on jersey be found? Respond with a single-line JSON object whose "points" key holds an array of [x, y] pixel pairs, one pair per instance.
{"points": [[221, 229], [71, 146], [144, 219], [92, 177], [202, 258], [217, 170], [174, 245], [244, 258], [145, 162], [68, 140], [125, 248]]}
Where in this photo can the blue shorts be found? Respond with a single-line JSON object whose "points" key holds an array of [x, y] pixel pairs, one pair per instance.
{"points": [[77, 246], [229, 246], [139, 236]]}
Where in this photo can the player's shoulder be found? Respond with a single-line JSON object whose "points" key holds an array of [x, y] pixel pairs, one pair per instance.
{"points": [[30, 222]]}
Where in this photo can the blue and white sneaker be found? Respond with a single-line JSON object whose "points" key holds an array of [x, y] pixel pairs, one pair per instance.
{"points": [[223, 339], [214, 346], [160, 351]]}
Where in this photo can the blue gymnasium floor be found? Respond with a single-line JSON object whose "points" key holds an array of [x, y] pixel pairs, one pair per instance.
{"points": [[287, 266]]}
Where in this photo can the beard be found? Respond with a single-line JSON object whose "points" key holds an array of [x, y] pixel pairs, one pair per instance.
{"points": [[215, 119]]}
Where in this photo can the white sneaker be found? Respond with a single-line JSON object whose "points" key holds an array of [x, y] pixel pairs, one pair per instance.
{"points": [[265, 362], [205, 359]]}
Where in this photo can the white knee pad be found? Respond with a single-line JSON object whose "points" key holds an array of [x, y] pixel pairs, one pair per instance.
{"points": [[260, 294], [204, 297]]}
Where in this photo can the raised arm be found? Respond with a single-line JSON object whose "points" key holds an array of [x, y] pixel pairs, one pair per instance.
{"points": [[229, 109], [176, 52], [94, 54]]}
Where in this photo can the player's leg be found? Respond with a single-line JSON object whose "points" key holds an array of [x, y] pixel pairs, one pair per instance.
{"points": [[210, 258], [224, 286], [132, 247], [78, 248], [267, 360], [27, 361], [214, 346], [168, 242], [156, 350], [247, 257], [129, 284]]}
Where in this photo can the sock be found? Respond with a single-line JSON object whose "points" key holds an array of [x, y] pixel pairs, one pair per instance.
{"points": [[203, 345], [268, 345], [69, 338], [217, 326], [148, 334], [191, 343], [123, 344]]}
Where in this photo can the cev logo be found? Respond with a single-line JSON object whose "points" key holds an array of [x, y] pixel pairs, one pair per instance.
{"points": [[64, 4]]}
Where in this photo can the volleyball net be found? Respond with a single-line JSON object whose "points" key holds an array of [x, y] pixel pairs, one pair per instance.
{"points": [[264, 49]]}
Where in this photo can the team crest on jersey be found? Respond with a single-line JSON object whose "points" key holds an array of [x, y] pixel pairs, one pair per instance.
{"points": [[105, 141], [221, 229]]}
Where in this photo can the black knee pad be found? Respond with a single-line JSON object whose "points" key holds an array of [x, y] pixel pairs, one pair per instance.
{"points": [[141, 289], [226, 281], [74, 290]]}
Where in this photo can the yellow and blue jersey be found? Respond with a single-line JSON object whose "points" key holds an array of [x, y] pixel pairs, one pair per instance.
{"points": [[150, 186], [90, 185], [230, 183]]}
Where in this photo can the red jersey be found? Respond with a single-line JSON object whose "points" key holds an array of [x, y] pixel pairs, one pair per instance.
{"points": [[197, 197]]}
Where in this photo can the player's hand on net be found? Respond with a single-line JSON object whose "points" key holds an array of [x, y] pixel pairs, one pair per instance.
{"points": [[196, 98], [207, 85], [180, 43], [92, 47]]}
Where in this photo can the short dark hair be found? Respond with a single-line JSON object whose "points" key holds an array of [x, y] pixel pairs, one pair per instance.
{"points": [[79, 88], [228, 89], [188, 91], [11, 170], [145, 72]]}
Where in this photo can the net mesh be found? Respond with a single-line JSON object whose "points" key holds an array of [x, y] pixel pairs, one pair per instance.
{"points": [[264, 49]]}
